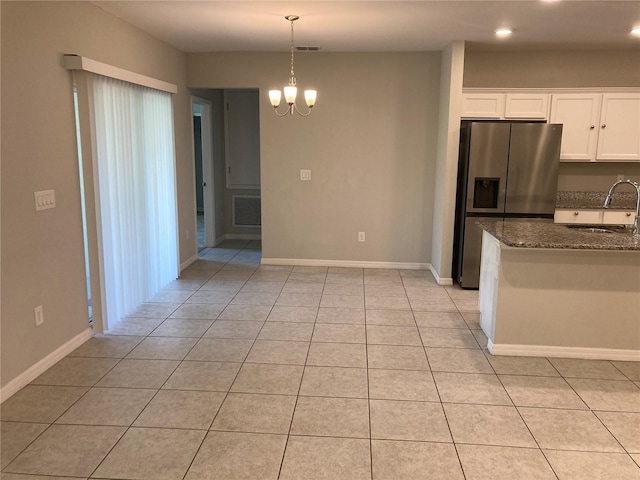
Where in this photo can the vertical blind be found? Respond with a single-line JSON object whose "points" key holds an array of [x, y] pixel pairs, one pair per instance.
{"points": [[137, 193]]}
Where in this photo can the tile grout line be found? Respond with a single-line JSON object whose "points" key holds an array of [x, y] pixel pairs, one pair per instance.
{"points": [[366, 350], [51, 424], [526, 425], [295, 406], [444, 412], [195, 455], [154, 396]]}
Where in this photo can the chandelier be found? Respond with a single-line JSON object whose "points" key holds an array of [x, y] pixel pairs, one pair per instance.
{"points": [[291, 90]]}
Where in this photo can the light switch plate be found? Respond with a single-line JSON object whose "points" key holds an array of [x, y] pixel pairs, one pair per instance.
{"points": [[305, 174], [45, 199], [39, 315]]}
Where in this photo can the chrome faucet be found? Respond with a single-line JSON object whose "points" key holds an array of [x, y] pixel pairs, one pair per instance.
{"points": [[607, 201]]}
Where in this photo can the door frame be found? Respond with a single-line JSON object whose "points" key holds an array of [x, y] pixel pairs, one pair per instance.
{"points": [[207, 170]]}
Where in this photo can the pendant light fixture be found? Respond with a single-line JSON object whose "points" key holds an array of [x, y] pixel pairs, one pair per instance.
{"points": [[291, 90]]}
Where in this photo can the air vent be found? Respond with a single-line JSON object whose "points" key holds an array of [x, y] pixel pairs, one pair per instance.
{"points": [[246, 211], [301, 48]]}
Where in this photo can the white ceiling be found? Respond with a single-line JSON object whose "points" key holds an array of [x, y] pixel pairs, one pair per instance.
{"points": [[339, 26]]}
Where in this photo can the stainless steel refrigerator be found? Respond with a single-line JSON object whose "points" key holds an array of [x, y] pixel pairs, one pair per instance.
{"points": [[506, 170]]}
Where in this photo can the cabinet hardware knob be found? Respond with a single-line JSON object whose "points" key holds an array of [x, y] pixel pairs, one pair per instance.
{"points": [[592, 127], [628, 214], [576, 213], [604, 125]]}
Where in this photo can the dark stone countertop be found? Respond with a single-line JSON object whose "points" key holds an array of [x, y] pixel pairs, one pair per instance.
{"points": [[527, 234], [622, 200]]}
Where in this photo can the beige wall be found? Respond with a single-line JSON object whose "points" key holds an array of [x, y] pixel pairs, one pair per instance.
{"points": [[595, 177], [554, 69], [42, 253], [447, 168], [370, 144]]}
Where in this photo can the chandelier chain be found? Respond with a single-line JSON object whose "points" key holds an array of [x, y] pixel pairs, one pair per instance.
{"points": [[292, 80]]}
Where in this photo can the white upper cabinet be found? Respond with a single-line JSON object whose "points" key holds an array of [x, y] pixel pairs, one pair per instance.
{"points": [[580, 114], [505, 106], [619, 129], [598, 127], [483, 105], [526, 105]]}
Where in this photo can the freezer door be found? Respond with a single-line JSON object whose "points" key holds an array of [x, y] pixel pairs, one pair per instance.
{"points": [[534, 159], [487, 172]]}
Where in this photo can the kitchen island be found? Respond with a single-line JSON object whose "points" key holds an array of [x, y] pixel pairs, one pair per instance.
{"points": [[550, 290]]}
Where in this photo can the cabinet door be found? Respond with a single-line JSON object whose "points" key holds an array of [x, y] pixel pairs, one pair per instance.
{"points": [[619, 138], [579, 113], [526, 105], [242, 143], [482, 105]]}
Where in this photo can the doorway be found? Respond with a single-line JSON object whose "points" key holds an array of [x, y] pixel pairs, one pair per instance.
{"points": [[229, 128], [203, 159], [242, 164]]}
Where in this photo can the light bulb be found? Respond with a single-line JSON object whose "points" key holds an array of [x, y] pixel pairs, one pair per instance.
{"points": [[310, 97], [274, 97], [290, 94], [504, 32]]}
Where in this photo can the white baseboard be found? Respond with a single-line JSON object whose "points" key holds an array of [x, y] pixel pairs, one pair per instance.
{"points": [[219, 240], [439, 280], [43, 365], [564, 352], [242, 236], [188, 262], [310, 262]]}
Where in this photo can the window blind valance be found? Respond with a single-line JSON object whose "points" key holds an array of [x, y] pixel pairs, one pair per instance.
{"points": [[76, 62]]}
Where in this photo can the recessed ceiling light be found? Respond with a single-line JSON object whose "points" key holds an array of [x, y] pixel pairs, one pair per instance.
{"points": [[504, 32], [635, 31]]}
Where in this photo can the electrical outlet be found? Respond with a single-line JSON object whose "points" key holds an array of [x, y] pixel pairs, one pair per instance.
{"points": [[39, 315], [361, 236], [621, 177], [305, 175]]}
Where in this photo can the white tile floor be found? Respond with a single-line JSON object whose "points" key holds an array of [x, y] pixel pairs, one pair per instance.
{"points": [[242, 371]]}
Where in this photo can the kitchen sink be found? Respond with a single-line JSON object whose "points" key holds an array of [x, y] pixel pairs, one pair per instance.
{"points": [[598, 228]]}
